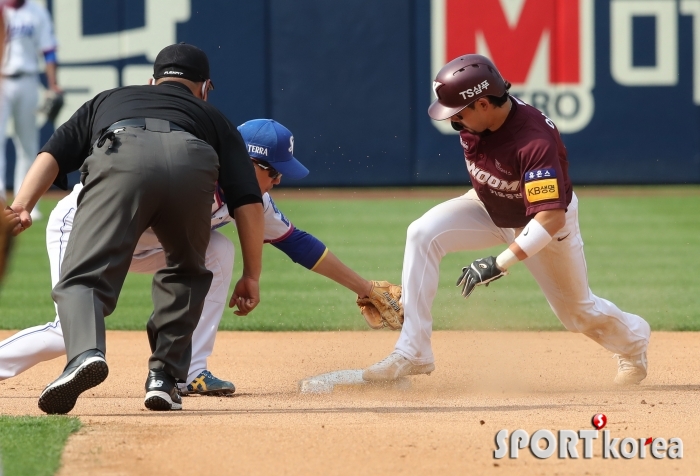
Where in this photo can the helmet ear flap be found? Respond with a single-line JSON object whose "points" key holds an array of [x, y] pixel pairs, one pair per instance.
{"points": [[457, 126]]}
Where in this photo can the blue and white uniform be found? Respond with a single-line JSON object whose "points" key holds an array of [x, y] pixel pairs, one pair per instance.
{"points": [[29, 35], [37, 344], [301, 247]]}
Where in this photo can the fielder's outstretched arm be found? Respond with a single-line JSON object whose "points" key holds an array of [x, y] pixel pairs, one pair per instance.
{"points": [[307, 250], [331, 267], [379, 301]]}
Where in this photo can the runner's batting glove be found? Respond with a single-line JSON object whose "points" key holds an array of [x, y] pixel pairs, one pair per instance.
{"points": [[481, 272]]}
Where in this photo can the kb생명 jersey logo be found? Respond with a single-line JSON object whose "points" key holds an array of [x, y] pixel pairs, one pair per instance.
{"points": [[543, 444], [546, 48], [541, 185]]}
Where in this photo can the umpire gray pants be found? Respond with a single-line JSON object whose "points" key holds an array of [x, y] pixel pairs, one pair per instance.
{"points": [[144, 178]]}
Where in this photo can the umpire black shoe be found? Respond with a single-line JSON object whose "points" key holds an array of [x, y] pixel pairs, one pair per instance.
{"points": [[83, 372], [161, 392]]}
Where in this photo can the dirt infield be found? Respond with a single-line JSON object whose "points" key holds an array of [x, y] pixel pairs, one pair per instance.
{"points": [[445, 424]]}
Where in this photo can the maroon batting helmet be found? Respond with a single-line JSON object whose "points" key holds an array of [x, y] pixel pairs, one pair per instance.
{"points": [[461, 82]]}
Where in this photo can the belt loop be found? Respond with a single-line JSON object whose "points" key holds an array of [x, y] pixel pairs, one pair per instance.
{"points": [[157, 125]]}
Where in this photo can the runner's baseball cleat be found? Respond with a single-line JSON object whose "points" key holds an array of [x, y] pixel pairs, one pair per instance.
{"points": [[206, 384], [83, 372], [395, 366], [161, 392], [631, 369]]}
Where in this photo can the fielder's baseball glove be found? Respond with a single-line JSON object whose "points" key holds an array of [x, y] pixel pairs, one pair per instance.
{"points": [[383, 307], [52, 106]]}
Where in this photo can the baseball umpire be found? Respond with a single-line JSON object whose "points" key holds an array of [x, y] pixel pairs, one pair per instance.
{"points": [[522, 197], [149, 156]]}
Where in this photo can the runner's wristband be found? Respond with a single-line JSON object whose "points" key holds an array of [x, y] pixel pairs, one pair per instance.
{"points": [[533, 238], [506, 259]]}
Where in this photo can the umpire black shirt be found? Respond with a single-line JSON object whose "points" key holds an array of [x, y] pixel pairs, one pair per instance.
{"points": [[171, 101]]}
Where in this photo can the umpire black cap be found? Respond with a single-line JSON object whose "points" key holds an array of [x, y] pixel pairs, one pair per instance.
{"points": [[182, 61]]}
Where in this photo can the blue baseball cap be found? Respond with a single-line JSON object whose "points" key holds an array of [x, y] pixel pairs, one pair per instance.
{"points": [[273, 143]]}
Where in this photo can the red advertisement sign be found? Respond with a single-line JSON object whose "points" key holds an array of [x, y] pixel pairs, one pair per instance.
{"points": [[543, 47]]}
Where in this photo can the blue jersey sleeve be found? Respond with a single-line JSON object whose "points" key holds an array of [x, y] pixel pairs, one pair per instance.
{"points": [[302, 248], [50, 56]]}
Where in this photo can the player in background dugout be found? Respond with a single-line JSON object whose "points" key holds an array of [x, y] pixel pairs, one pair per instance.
{"points": [[522, 197], [29, 36]]}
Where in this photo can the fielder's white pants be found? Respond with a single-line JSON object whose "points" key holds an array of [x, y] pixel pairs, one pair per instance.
{"points": [[37, 344], [20, 98], [560, 270]]}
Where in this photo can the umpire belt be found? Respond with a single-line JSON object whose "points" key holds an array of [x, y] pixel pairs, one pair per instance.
{"points": [[154, 125]]}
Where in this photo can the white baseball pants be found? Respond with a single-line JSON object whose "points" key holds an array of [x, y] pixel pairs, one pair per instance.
{"points": [[20, 98], [560, 270], [36, 344]]}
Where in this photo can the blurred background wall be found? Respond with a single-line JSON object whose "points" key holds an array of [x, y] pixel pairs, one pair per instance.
{"points": [[353, 79]]}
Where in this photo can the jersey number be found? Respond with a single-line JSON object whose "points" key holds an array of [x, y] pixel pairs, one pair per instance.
{"points": [[547, 120]]}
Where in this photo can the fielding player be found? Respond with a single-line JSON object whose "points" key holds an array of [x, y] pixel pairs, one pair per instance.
{"points": [[270, 146], [522, 197]]}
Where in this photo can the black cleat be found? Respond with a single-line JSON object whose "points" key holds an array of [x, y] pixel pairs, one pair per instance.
{"points": [[85, 371], [161, 392]]}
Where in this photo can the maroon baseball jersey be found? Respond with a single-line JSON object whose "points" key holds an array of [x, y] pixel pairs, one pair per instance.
{"points": [[520, 169]]}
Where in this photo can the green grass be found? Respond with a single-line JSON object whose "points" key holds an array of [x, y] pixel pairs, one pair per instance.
{"points": [[642, 252], [32, 446]]}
